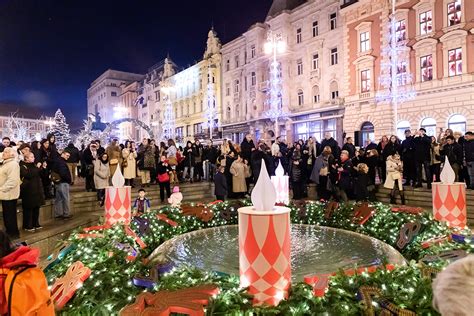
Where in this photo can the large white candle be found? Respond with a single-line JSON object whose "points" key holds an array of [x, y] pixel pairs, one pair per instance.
{"points": [[282, 185]]}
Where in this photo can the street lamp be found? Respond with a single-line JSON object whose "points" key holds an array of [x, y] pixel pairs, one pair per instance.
{"points": [[168, 114], [275, 45]]}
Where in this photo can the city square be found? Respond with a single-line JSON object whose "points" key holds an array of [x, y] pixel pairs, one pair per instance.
{"points": [[314, 157]]}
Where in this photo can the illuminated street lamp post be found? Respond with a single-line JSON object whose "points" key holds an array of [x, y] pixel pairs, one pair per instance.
{"points": [[275, 45]]}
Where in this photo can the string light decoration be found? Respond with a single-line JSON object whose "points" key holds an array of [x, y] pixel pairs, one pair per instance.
{"points": [[110, 286], [395, 81], [274, 45], [211, 110], [168, 114]]}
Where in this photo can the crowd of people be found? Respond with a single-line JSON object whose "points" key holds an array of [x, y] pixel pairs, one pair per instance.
{"points": [[38, 170]]}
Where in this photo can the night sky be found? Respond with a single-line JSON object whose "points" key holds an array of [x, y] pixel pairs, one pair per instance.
{"points": [[50, 51]]}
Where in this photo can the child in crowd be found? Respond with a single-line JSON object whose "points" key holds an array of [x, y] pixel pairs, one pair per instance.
{"points": [[175, 198], [220, 184], [362, 182], [141, 204]]}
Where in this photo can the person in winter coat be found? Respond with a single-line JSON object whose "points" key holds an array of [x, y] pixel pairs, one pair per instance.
{"points": [[361, 187], [345, 173], [220, 184], [189, 161], [114, 154], [371, 159], [164, 171], [349, 147], [296, 173], [247, 147], [24, 289], [469, 156], [199, 159], [171, 156], [146, 161], [101, 176], [239, 171], [382, 157], [211, 153], [256, 161], [73, 160], [9, 190], [320, 172], [435, 166], [331, 142], [175, 198], [454, 152], [422, 157], [61, 202], [47, 160], [407, 152], [31, 192], [129, 163], [394, 177]]}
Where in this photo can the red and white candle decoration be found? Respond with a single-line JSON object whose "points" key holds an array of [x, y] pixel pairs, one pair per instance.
{"points": [[449, 198], [282, 185], [118, 201], [264, 245]]}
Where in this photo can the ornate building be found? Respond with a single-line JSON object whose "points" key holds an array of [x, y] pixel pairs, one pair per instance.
{"points": [[23, 123], [439, 39], [311, 73]]}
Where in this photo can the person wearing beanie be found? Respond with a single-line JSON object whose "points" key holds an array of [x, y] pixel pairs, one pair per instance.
{"points": [[453, 292], [175, 198]]}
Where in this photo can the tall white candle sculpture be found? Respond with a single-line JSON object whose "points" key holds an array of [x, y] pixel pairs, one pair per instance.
{"points": [[282, 185], [118, 201], [449, 198], [264, 244]]}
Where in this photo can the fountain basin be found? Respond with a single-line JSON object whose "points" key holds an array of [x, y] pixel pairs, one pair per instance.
{"points": [[314, 250]]}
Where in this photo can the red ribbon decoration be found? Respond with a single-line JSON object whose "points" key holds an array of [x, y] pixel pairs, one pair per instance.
{"points": [[164, 218], [99, 227], [82, 236], [434, 241], [131, 233]]}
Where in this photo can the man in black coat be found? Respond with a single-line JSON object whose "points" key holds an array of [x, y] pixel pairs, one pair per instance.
{"points": [[247, 147], [422, 157], [62, 178], [469, 156], [210, 154], [256, 161], [454, 152], [73, 160], [220, 184], [408, 158], [87, 163], [331, 142], [349, 147]]}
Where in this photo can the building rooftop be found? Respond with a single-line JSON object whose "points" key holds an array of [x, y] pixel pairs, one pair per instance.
{"points": [[279, 6]]}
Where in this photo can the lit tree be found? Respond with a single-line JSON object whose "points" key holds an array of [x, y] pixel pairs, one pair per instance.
{"points": [[396, 82], [16, 129], [60, 129]]}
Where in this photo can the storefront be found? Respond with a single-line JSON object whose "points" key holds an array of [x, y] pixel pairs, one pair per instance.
{"points": [[317, 124]]}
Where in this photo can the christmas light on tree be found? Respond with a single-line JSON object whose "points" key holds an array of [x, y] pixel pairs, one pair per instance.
{"points": [[60, 129], [396, 83]]}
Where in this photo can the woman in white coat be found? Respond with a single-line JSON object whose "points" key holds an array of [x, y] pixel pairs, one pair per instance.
{"points": [[101, 176], [129, 163], [394, 177]]}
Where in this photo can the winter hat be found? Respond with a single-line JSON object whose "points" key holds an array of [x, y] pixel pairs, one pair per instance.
{"points": [[175, 189]]}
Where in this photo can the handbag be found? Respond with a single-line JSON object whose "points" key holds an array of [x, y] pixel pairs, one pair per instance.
{"points": [[55, 177], [113, 161], [125, 163], [162, 178]]}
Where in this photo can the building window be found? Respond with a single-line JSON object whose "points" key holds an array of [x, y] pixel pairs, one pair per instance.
{"points": [[113, 94], [315, 29], [454, 12], [402, 126], [299, 37], [333, 21], [334, 90], [197, 128], [236, 58], [316, 97], [426, 68], [334, 56], [300, 97], [455, 62], [426, 22], [401, 71], [227, 89], [364, 41], [227, 65], [253, 79], [367, 133], [315, 62], [400, 31], [457, 123], [253, 51], [429, 124], [299, 65], [365, 81], [236, 86]]}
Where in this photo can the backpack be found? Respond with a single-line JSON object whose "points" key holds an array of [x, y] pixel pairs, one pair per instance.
{"points": [[24, 292]]}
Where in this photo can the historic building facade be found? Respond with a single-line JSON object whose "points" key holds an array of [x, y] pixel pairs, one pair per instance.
{"points": [[311, 72], [23, 123], [439, 40]]}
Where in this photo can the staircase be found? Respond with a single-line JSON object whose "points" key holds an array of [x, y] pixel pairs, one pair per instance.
{"points": [[422, 197]]}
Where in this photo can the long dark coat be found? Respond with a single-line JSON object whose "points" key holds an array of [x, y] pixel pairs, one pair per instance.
{"points": [[31, 189]]}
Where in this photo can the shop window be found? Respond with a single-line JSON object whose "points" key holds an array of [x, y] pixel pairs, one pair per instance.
{"points": [[367, 133], [429, 124]]}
